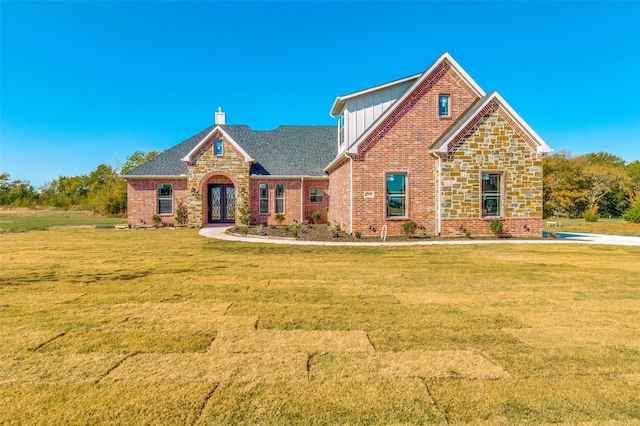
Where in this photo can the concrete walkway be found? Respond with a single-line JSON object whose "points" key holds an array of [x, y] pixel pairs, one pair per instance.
{"points": [[219, 232]]}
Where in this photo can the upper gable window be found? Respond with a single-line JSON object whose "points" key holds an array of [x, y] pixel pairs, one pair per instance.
{"points": [[443, 105], [217, 147]]}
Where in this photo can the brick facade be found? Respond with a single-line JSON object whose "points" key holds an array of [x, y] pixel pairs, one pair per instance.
{"points": [[292, 195], [142, 200], [401, 145], [443, 167]]}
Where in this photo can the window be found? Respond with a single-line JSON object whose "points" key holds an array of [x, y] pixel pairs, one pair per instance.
{"points": [[264, 198], [165, 198], [341, 130], [443, 105], [316, 195], [491, 194], [279, 197], [217, 147], [396, 195]]}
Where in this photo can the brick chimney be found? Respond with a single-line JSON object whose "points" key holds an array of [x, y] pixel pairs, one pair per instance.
{"points": [[220, 117]]}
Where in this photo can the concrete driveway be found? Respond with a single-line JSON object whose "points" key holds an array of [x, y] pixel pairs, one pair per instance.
{"points": [[219, 232]]}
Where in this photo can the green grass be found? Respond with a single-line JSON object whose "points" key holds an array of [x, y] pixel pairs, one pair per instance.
{"points": [[602, 226], [23, 220], [166, 327]]}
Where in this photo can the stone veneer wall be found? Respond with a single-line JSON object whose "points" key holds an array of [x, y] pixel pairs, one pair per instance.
{"points": [[210, 168], [492, 146]]}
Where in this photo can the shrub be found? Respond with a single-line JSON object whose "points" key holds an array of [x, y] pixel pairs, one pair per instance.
{"points": [[245, 230], [632, 214], [467, 234], [294, 232], [591, 216], [409, 228], [315, 217], [156, 220], [358, 234], [245, 212], [496, 226], [279, 217], [181, 213], [337, 227]]}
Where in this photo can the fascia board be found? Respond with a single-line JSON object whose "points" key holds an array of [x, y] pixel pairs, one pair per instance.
{"points": [[336, 161], [353, 149], [127, 177], [542, 146], [338, 104], [247, 157], [284, 177]]}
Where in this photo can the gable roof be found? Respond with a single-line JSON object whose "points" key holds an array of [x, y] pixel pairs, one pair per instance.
{"points": [[435, 67], [489, 102], [284, 151], [338, 104], [189, 157], [169, 163]]}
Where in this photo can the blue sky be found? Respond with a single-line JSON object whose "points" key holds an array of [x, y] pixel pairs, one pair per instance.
{"points": [[84, 83]]}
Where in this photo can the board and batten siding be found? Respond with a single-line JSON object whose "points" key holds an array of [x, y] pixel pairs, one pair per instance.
{"points": [[362, 111]]}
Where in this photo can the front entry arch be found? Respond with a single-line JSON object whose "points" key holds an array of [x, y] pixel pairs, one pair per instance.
{"points": [[222, 203]]}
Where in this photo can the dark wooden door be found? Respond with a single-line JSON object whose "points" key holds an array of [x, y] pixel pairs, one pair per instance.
{"points": [[222, 203]]}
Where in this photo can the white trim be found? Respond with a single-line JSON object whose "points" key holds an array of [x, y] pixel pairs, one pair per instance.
{"points": [[269, 177], [445, 57], [275, 198], [247, 157], [336, 161], [341, 100], [542, 146]]}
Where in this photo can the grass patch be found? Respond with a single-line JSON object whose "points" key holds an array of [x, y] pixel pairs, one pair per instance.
{"points": [[603, 226], [111, 326], [23, 220]]}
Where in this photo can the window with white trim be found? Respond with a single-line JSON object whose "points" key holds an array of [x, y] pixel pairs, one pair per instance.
{"points": [[443, 105], [316, 195], [165, 198], [491, 194], [217, 147], [341, 130], [396, 195], [279, 197], [264, 198]]}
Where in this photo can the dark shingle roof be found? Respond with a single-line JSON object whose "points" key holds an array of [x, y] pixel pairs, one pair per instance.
{"points": [[284, 151]]}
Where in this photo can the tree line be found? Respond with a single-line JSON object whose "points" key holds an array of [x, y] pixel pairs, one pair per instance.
{"points": [[589, 185], [103, 190]]}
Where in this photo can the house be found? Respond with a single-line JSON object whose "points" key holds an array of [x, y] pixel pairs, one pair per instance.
{"points": [[432, 147]]}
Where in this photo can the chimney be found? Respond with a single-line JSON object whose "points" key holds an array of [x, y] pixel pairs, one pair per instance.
{"points": [[220, 117]]}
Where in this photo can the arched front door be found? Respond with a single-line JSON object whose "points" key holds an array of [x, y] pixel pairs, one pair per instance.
{"points": [[222, 203]]}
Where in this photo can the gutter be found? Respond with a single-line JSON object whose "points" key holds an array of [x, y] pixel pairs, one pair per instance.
{"points": [[350, 192], [301, 199], [125, 177]]}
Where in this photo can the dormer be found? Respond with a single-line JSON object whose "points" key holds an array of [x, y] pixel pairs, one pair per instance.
{"points": [[357, 111]]}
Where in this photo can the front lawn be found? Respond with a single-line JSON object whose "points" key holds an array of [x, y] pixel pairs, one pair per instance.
{"points": [[167, 327]]}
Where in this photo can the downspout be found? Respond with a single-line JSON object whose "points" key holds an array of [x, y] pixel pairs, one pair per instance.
{"points": [[301, 199], [439, 195], [350, 192]]}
